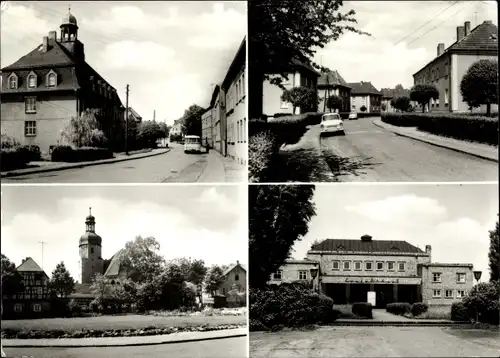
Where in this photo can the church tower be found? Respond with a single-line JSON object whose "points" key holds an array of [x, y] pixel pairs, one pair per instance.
{"points": [[90, 251], [69, 37]]}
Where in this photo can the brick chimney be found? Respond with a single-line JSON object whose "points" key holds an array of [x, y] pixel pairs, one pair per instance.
{"points": [[428, 251], [52, 36], [366, 238], [460, 33], [440, 49], [237, 262], [45, 44], [467, 27]]}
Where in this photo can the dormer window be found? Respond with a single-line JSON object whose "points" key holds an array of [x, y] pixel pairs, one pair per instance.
{"points": [[32, 80], [13, 81], [51, 79]]}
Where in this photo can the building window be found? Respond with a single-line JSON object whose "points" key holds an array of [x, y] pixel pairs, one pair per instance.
{"points": [[347, 265], [436, 277], [390, 266], [368, 266], [448, 293], [436, 293], [52, 79], [18, 307], [39, 290], [302, 275], [380, 266], [284, 105], [357, 265], [278, 275], [236, 277], [30, 105], [446, 97], [401, 266], [336, 265], [460, 277], [12, 82], [30, 128], [460, 293], [31, 81]]}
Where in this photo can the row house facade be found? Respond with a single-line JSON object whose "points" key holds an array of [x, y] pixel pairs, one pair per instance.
{"points": [[331, 83], [364, 94], [300, 75], [395, 271], [388, 94], [450, 65], [206, 128], [44, 89]]}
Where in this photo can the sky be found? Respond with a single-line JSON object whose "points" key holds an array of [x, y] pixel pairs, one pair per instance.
{"points": [[405, 36], [171, 53], [201, 222], [453, 219]]}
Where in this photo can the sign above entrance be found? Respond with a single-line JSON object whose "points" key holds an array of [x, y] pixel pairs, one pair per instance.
{"points": [[372, 280]]}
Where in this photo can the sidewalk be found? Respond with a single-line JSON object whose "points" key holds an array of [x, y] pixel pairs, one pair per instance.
{"points": [[125, 341], [221, 169], [480, 150], [44, 167]]}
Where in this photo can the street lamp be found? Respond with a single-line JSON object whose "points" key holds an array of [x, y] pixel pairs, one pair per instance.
{"points": [[314, 273], [477, 276]]}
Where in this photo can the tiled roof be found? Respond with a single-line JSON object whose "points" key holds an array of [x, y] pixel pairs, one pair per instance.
{"points": [[307, 66], [134, 113], [65, 77], [363, 88], [233, 266], [55, 56], [115, 264], [480, 38], [304, 261], [332, 78], [372, 246], [393, 93], [439, 264], [29, 265]]}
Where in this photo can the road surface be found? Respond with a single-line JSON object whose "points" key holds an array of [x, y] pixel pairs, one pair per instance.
{"points": [[174, 166], [220, 348], [377, 342], [370, 153]]}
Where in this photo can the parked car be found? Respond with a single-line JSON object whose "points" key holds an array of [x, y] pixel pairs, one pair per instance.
{"points": [[332, 123], [353, 115], [192, 143]]}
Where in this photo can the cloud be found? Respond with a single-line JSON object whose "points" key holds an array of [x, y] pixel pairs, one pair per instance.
{"points": [[401, 210]]}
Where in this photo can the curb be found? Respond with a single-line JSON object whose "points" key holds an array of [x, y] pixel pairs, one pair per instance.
{"points": [[402, 324], [176, 341], [428, 141], [79, 165]]}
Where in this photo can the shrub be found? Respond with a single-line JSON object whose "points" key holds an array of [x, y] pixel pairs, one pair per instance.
{"points": [[33, 152], [363, 108], [14, 158], [483, 302], [68, 154], [459, 312], [362, 309], [398, 308], [276, 115], [418, 308], [261, 148], [9, 142]]}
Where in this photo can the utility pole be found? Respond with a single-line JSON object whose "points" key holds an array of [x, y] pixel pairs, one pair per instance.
{"points": [[154, 115], [126, 123], [43, 243]]}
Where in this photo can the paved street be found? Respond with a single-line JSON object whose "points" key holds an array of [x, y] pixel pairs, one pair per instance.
{"points": [[174, 166], [229, 347], [377, 342], [370, 153]]}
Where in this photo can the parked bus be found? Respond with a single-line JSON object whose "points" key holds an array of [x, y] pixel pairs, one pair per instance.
{"points": [[192, 143]]}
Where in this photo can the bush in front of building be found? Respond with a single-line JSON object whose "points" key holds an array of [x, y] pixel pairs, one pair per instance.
{"points": [[459, 312], [277, 115], [398, 308], [65, 153], [13, 155], [362, 309], [261, 152], [463, 126], [482, 302], [34, 153], [418, 308]]}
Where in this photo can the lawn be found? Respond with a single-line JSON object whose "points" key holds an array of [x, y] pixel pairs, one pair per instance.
{"points": [[435, 312], [120, 322]]}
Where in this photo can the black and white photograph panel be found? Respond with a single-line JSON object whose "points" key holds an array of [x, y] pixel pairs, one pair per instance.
{"points": [[123, 92], [143, 271], [373, 91], [358, 271]]}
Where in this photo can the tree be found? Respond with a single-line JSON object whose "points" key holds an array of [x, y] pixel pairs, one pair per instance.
{"points": [[142, 259], [480, 84], [334, 102], [383, 107], [148, 132], [61, 283], [300, 97], [422, 94], [11, 279], [214, 279], [192, 120], [362, 108], [401, 103], [197, 272], [83, 131], [278, 217], [494, 254], [165, 129], [100, 287]]}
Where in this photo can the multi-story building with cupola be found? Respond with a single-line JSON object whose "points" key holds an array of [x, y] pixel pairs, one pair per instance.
{"points": [[51, 84], [395, 271]]}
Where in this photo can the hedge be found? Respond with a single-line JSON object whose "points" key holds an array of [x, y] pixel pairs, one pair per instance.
{"points": [[14, 158], [362, 309], [289, 305], [459, 312], [418, 308], [68, 154], [461, 126], [398, 308]]}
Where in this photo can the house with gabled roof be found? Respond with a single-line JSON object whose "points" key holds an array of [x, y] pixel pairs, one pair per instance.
{"points": [[388, 94], [447, 69], [332, 83], [134, 116], [234, 276], [387, 270], [364, 94], [51, 84]]}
